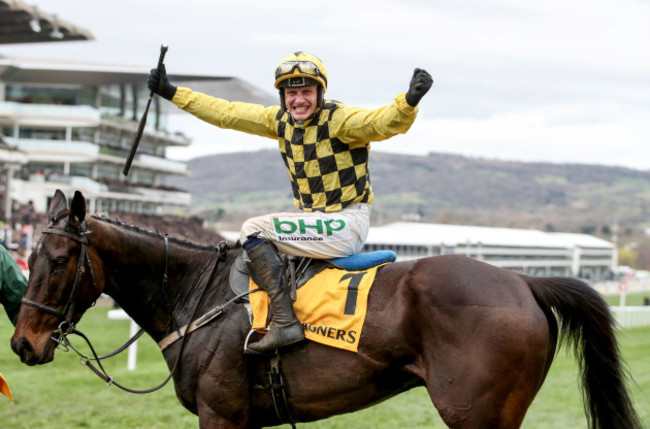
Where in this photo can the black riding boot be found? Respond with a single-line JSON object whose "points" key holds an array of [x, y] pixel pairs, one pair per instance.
{"points": [[266, 270]]}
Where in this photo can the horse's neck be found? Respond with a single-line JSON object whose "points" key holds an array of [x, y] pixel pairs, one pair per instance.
{"points": [[158, 284]]}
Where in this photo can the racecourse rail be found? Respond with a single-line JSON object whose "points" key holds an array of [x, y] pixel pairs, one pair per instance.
{"points": [[632, 317], [628, 316]]}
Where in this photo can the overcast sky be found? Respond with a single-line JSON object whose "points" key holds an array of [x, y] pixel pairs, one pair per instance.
{"points": [[552, 80]]}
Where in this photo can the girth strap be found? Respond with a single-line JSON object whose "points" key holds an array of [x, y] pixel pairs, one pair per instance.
{"points": [[278, 391]]}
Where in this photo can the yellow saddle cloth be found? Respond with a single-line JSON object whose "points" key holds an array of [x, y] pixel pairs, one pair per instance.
{"points": [[331, 306]]}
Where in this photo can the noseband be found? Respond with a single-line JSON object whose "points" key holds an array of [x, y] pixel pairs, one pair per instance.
{"points": [[65, 315]]}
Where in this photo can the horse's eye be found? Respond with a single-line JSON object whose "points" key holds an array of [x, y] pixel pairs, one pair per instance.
{"points": [[58, 263]]}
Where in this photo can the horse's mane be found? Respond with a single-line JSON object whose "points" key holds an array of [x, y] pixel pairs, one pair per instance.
{"points": [[157, 234]]}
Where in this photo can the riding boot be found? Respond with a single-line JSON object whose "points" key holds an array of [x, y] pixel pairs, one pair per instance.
{"points": [[265, 268]]}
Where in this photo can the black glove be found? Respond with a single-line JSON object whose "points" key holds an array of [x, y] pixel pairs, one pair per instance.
{"points": [[420, 84], [159, 83]]}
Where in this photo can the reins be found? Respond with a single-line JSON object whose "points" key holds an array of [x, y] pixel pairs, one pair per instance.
{"points": [[67, 327], [101, 372]]}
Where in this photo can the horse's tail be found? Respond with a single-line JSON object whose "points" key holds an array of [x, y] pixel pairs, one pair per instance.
{"points": [[585, 320]]}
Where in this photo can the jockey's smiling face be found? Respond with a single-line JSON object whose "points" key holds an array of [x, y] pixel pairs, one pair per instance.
{"points": [[302, 101]]}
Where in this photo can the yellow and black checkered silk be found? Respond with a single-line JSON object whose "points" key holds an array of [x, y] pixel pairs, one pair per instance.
{"points": [[326, 174]]}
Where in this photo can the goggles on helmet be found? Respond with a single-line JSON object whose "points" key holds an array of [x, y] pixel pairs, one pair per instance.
{"points": [[297, 82], [305, 67]]}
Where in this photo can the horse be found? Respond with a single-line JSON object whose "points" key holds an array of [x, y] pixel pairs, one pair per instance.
{"points": [[481, 339]]}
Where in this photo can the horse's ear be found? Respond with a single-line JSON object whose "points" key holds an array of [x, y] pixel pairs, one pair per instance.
{"points": [[78, 207], [57, 205]]}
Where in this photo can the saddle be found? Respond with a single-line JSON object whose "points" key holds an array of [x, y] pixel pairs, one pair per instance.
{"points": [[298, 270]]}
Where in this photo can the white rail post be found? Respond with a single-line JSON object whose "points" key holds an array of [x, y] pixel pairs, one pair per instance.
{"points": [[133, 348]]}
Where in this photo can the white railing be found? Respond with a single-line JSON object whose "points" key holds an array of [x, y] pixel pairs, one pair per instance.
{"points": [[168, 165], [633, 316], [61, 114], [120, 314]]}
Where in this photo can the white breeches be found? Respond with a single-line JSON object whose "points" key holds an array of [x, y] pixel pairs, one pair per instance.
{"points": [[314, 234]]}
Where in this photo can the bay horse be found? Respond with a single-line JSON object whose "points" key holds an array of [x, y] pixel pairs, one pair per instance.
{"points": [[481, 339]]}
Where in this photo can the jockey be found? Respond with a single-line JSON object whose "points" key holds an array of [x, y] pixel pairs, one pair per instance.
{"points": [[324, 145]]}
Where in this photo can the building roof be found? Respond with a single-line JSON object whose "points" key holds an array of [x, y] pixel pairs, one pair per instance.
{"points": [[48, 71], [427, 234], [24, 23], [583, 240], [33, 70]]}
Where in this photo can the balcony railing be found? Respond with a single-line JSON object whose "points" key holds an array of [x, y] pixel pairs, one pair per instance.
{"points": [[163, 164], [62, 150], [65, 115]]}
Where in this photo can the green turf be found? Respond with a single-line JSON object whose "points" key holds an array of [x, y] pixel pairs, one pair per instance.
{"points": [[64, 394]]}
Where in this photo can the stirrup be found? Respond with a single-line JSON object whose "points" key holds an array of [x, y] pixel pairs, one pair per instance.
{"points": [[248, 351]]}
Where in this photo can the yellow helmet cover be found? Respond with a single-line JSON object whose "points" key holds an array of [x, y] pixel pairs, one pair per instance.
{"points": [[300, 65]]}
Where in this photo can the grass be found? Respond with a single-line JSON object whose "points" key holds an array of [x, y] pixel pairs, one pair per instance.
{"points": [[631, 299], [65, 394]]}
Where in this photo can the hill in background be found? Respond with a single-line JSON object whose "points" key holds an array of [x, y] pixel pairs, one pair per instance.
{"points": [[610, 202]]}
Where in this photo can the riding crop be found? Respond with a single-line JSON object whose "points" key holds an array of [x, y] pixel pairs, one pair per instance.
{"points": [[143, 120]]}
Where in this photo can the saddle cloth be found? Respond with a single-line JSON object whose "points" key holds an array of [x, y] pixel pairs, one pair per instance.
{"points": [[332, 303], [331, 306]]}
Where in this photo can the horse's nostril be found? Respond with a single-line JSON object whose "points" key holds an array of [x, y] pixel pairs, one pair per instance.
{"points": [[24, 349]]}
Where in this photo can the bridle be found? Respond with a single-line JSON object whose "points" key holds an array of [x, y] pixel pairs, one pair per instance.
{"points": [[67, 327], [65, 315]]}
